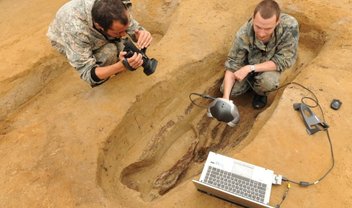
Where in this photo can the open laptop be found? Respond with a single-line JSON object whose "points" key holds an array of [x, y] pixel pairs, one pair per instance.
{"points": [[236, 181]]}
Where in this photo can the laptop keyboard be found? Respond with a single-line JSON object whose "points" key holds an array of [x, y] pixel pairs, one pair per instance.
{"points": [[235, 184]]}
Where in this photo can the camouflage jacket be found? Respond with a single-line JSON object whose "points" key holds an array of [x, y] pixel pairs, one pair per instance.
{"points": [[72, 33], [281, 49]]}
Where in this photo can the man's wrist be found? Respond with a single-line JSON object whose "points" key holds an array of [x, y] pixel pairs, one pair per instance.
{"points": [[252, 68]]}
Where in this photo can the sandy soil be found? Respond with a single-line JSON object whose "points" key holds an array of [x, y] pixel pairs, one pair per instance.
{"points": [[137, 141]]}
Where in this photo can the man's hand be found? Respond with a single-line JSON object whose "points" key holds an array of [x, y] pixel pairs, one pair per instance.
{"points": [[242, 73], [134, 61], [144, 38]]}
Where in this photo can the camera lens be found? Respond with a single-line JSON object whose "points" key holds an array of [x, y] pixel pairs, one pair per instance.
{"points": [[149, 66]]}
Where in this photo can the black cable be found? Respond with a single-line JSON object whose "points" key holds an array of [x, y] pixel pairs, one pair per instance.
{"points": [[284, 196], [200, 95], [304, 183], [317, 104]]}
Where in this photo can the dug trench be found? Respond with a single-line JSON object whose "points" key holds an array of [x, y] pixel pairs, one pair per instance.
{"points": [[174, 136]]}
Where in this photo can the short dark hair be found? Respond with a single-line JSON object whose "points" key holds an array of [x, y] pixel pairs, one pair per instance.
{"points": [[267, 9], [105, 12]]}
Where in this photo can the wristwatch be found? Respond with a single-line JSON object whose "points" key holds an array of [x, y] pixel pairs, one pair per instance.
{"points": [[252, 68]]}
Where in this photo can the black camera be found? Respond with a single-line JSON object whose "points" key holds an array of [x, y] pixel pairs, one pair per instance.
{"points": [[149, 65]]}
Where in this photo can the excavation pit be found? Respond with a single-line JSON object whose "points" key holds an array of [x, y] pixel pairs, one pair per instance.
{"points": [[174, 136]]}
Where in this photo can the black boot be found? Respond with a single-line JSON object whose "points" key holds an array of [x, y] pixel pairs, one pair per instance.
{"points": [[259, 101]]}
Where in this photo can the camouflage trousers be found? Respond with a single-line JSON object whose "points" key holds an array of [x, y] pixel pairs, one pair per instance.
{"points": [[261, 83], [108, 54], [105, 56]]}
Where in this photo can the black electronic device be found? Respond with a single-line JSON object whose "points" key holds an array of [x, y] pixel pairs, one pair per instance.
{"points": [[149, 65], [335, 104], [312, 122]]}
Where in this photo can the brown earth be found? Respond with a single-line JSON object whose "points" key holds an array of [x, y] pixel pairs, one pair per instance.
{"points": [[137, 141]]}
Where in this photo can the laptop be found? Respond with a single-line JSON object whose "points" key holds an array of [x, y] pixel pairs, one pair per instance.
{"points": [[236, 181]]}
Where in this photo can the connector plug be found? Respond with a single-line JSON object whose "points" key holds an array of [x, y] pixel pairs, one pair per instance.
{"points": [[277, 179], [304, 183]]}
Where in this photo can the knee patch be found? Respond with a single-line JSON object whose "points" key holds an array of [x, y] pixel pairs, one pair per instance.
{"points": [[106, 55], [267, 81]]}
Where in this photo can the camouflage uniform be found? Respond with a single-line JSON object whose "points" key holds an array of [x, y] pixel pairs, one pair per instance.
{"points": [[246, 49], [72, 34]]}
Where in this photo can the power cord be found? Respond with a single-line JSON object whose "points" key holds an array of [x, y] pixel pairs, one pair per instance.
{"points": [[305, 183], [284, 196], [317, 104], [200, 95]]}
